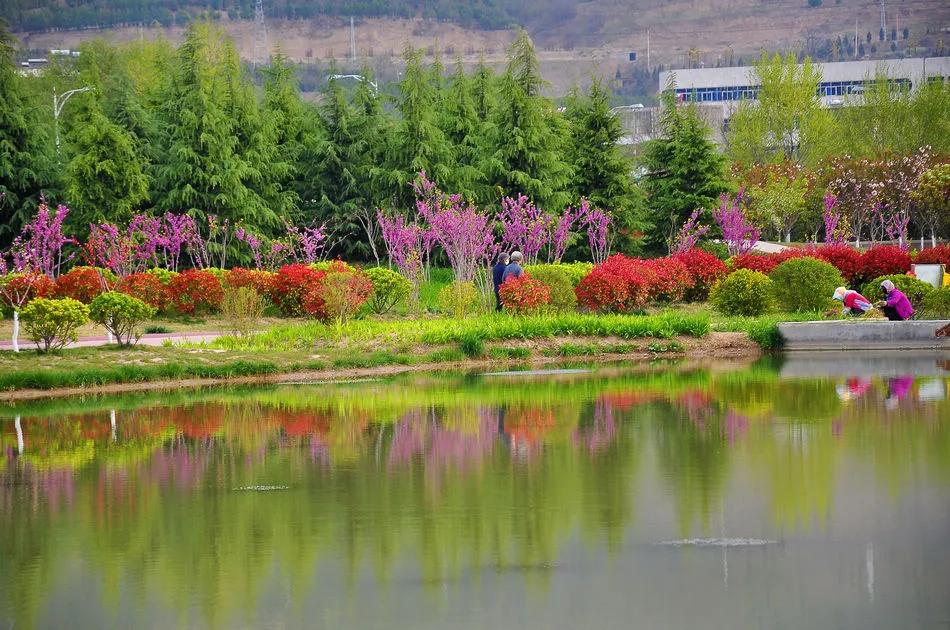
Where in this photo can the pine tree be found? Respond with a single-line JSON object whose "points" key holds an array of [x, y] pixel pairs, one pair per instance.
{"points": [[602, 174], [483, 91], [204, 171], [465, 130], [417, 143], [285, 131], [685, 171], [527, 139], [25, 159], [105, 179]]}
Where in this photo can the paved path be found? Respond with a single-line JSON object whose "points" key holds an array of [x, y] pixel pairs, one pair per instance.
{"points": [[146, 340]]}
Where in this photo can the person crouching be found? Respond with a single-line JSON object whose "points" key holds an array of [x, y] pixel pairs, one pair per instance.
{"points": [[854, 303], [895, 305]]}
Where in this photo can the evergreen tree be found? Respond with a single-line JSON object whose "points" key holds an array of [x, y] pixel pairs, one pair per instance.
{"points": [[285, 131], [602, 173], [465, 130], [24, 157], [483, 91], [417, 143], [685, 171], [204, 171], [105, 179], [526, 142]]}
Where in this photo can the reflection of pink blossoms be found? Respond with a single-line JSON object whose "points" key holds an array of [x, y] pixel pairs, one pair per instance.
{"points": [[599, 435]]}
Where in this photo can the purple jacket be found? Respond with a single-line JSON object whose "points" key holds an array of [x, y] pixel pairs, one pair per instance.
{"points": [[900, 303]]}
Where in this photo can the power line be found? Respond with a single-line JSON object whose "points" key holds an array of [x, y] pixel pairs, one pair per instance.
{"points": [[261, 49]]}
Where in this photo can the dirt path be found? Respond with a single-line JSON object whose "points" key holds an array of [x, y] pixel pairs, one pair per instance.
{"points": [[157, 339]]}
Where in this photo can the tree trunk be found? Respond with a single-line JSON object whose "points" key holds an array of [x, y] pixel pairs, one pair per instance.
{"points": [[109, 332], [16, 330], [933, 238]]}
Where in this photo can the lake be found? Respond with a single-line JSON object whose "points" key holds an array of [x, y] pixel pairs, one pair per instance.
{"points": [[777, 495]]}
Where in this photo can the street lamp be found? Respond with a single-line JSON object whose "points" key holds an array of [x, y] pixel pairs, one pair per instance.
{"points": [[358, 77], [58, 101]]}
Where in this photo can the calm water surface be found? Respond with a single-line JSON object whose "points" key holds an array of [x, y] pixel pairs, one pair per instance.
{"points": [[620, 497]]}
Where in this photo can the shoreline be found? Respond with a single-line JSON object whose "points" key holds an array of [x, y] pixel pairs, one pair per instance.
{"points": [[714, 346]]}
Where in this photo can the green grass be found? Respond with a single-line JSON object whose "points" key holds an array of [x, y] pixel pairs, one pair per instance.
{"points": [[87, 376], [763, 329], [509, 353]]}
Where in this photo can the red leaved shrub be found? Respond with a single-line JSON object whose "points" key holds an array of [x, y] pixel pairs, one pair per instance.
{"points": [[20, 288], [765, 263], [618, 285], [939, 255], [195, 291], [883, 260], [705, 269], [146, 287], [337, 296], [79, 283], [671, 278], [289, 286], [844, 258], [524, 294], [257, 279]]}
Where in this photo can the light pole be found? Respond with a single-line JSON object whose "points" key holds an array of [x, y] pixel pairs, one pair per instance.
{"points": [[58, 101], [358, 77]]}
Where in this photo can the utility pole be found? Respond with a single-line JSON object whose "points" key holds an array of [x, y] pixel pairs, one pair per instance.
{"points": [[855, 38], [648, 50], [58, 102], [261, 49], [352, 39]]}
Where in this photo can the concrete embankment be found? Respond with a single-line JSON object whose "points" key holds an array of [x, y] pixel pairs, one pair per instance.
{"points": [[864, 335]]}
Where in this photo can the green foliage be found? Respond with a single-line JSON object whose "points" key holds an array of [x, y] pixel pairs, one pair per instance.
{"points": [[502, 352], [685, 170], [121, 315], [242, 308], [574, 272], [787, 121], [915, 290], [742, 292], [472, 345], [804, 284], [458, 299], [389, 289], [51, 324], [563, 297], [936, 305]]}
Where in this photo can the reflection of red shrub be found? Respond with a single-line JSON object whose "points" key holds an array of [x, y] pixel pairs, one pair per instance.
{"points": [[845, 259], [257, 279], [705, 270], [934, 255], [524, 294], [79, 283], [196, 291], [884, 260], [289, 286], [146, 287]]}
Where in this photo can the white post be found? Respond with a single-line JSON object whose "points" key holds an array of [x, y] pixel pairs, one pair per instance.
{"points": [[16, 330], [19, 436], [112, 421], [109, 332]]}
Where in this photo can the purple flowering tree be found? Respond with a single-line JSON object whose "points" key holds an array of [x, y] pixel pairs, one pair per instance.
{"points": [[836, 231], [597, 224], [524, 227], [307, 244], [404, 244], [463, 233], [560, 231], [689, 234], [739, 234], [40, 245]]}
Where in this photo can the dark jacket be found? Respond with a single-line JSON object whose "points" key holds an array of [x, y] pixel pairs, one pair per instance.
{"points": [[498, 275], [513, 269]]}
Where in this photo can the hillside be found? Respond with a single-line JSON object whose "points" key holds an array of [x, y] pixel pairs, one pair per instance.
{"points": [[575, 39]]}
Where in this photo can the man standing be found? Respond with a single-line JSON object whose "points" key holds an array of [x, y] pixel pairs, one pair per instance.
{"points": [[498, 276], [514, 269]]}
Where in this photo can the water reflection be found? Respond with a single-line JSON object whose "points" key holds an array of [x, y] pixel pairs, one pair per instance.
{"points": [[200, 509]]}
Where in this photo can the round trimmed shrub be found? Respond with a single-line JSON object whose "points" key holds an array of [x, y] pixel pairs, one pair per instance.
{"points": [[804, 284], [81, 283], [51, 324], [915, 290], [389, 289], [575, 271], [196, 291], [705, 269], [458, 298], [742, 292], [561, 292], [604, 292], [884, 260], [936, 304], [671, 279], [121, 315], [146, 287], [524, 295]]}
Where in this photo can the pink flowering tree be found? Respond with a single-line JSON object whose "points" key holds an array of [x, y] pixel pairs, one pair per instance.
{"points": [[560, 231], [689, 234], [524, 227], [739, 233], [307, 244], [836, 230], [404, 245], [109, 247], [597, 224]]}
